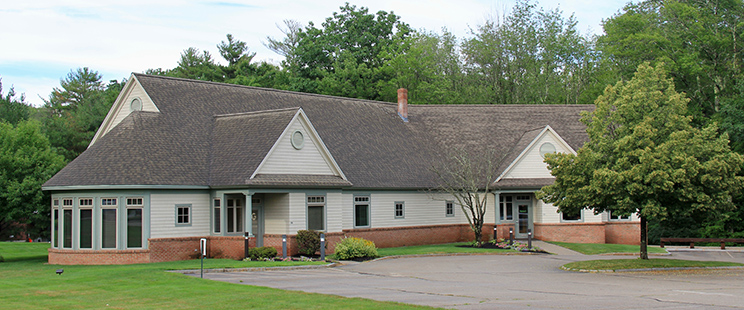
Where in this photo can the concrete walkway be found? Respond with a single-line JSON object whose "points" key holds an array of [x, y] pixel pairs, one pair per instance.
{"points": [[512, 282]]}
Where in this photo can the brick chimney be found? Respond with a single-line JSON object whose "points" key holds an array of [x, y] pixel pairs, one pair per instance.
{"points": [[403, 104]]}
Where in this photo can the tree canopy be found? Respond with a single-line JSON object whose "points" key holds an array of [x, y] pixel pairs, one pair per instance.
{"points": [[644, 157]]}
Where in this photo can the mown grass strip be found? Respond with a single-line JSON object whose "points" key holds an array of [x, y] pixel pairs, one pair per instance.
{"points": [[605, 248], [449, 248], [626, 264], [29, 283]]}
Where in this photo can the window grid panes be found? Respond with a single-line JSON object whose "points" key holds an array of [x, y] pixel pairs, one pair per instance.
{"points": [[449, 208], [134, 201], [108, 201], [399, 207], [506, 208], [183, 214]]}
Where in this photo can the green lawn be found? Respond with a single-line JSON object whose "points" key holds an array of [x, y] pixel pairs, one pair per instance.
{"points": [[619, 264], [28, 282], [604, 248], [449, 248]]}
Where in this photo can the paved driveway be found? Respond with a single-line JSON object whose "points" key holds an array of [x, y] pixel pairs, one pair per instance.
{"points": [[511, 282]]}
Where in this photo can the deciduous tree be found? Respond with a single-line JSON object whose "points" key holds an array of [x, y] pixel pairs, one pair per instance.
{"points": [[644, 157]]}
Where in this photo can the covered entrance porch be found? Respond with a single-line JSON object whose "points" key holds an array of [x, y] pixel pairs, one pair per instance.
{"points": [[514, 212]]}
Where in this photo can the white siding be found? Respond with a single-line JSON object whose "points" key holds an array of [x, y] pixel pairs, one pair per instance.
{"points": [[531, 165], [163, 215], [124, 107], [276, 213], [285, 159]]}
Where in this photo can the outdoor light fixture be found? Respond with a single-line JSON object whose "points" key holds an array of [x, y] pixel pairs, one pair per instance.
{"points": [[60, 271]]}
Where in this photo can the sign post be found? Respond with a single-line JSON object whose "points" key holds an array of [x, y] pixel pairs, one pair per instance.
{"points": [[203, 250]]}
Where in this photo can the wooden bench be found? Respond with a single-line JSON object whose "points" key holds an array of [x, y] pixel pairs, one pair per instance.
{"points": [[693, 240]]}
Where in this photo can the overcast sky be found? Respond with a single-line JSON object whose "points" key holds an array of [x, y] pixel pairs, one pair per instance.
{"points": [[42, 40]]}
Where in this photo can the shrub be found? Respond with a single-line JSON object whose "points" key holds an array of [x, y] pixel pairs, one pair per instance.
{"points": [[352, 248], [308, 242], [2, 259], [264, 252]]}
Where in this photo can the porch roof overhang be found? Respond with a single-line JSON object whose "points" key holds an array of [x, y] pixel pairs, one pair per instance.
{"points": [[523, 183]]}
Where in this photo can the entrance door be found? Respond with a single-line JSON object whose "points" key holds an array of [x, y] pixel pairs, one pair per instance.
{"points": [[524, 218], [257, 221]]}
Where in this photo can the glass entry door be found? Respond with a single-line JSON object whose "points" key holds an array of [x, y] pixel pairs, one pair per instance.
{"points": [[524, 218]]}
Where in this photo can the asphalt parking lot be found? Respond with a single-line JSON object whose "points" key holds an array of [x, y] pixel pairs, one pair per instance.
{"points": [[514, 282]]}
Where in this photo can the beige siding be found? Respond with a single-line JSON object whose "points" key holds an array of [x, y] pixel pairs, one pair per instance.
{"points": [[285, 159], [276, 213], [546, 213], [297, 212], [124, 107], [334, 212], [419, 209], [163, 215], [531, 165]]}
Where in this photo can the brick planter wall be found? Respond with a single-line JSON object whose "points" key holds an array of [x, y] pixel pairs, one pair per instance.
{"points": [[571, 232], [623, 233], [98, 257]]}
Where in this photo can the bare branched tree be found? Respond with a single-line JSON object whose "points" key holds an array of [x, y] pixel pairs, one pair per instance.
{"points": [[468, 176]]}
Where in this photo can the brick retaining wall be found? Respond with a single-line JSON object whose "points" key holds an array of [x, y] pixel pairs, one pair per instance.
{"points": [[98, 257]]}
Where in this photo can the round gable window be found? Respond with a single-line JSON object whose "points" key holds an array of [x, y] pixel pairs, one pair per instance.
{"points": [[136, 105], [546, 148], [298, 140]]}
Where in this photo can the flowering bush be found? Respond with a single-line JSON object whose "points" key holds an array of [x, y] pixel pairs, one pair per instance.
{"points": [[351, 248], [516, 245]]}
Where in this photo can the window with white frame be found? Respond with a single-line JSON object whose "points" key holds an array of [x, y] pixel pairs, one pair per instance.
{"points": [[85, 215], [109, 220], [183, 214], [361, 211], [449, 208], [67, 223], [316, 212], [400, 207], [217, 215], [134, 222], [234, 218]]}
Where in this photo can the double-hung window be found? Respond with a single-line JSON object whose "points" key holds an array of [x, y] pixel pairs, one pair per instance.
{"points": [[449, 208], [183, 215], [400, 209], [217, 215]]}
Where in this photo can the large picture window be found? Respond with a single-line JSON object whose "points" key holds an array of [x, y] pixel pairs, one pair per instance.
{"points": [[361, 211], [234, 215], [316, 212], [572, 217]]}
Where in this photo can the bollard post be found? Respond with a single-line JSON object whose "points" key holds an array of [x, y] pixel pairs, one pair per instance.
{"points": [[203, 250], [511, 236], [284, 246], [322, 246], [247, 244], [495, 234], [529, 239]]}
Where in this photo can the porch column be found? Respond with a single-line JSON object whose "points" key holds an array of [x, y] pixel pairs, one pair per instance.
{"points": [[249, 213], [497, 206], [223, 214]]}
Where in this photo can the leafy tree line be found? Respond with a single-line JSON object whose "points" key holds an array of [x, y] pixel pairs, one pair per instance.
{"points": [[528, 55]]}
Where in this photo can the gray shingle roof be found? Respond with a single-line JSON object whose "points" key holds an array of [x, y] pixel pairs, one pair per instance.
{"points": [[212, 134]]}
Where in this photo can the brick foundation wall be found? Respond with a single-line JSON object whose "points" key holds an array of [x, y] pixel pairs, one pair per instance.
{"points": [[502, 231], [98, 257], [418, 235], [623, 233], [571, 232], [232, 247]]}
